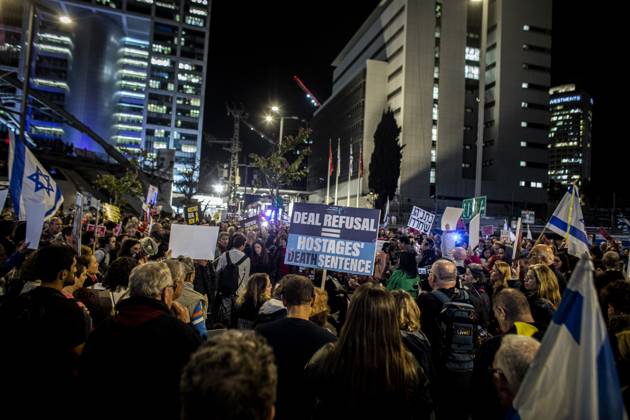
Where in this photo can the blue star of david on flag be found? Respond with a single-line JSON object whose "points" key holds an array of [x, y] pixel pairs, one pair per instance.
{"points": [[37, 177]]}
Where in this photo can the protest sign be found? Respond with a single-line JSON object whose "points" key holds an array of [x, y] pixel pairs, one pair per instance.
{"points": [[341, 239], [488, 230], [152, 195], [421, 220], [196, 242], [473, 232], [191, 214], [111, 212], [101, 231], [250, 222], [450, 218]]}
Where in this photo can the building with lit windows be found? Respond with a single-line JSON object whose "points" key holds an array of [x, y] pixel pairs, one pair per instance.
{"points": [[421, 60], [132, 70], [569, 135]]}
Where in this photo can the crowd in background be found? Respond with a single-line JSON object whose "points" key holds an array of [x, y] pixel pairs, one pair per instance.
{"points": [[125, 329]]}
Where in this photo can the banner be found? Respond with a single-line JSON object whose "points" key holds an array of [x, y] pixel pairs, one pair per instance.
{"points": [[101, 231], [421, 220], [336, 238], [528, 216], [152, 195], [191, 214], [488, 230], [250, 222], [196, 242]]}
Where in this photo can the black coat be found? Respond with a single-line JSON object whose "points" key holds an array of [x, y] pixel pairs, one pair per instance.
{"points": [[133, 362]]}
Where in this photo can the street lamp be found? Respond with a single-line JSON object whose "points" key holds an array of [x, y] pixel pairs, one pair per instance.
{"points": [[482, 95], [28, 58], [218, 188], [269, 119]]}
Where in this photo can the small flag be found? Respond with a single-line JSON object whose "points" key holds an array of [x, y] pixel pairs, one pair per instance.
{"points": [[573, 375], [529, 233], [338, 156], [351, 162], [29, 182], [567, 221], [361, 162], [331, 166]]}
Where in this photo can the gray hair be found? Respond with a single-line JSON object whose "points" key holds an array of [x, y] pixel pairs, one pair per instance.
{"points": [[149, 280], [176, 268], [444, 271], [514, 357], [188, 264]]}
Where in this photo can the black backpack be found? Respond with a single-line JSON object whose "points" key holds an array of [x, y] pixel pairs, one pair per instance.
{"points": [[458, 325], [228, 278]]}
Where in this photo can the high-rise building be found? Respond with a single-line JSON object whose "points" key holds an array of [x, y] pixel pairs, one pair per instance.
{"points": [[570, 135], [421, 60], [131, 70]]}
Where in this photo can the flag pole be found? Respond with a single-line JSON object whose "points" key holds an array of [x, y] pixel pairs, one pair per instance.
{"points": [[349, 176], [338, 170], [98, 208], [566, 237], [360, 174], [327, 198], [324, 276]]}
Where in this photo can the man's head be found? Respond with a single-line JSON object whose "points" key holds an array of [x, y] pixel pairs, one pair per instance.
{"points": [[510, 365], [55, 225], [238, 241], [66, 232], [510, 306], [541, 254], [251, 237], [56, 264], [178, 274], [189, 268], [427, 244], [224, 240], [233, 375], [443, 274], [152, 280], [297, 291], [459, 254], [616, 298], [611, 260]]}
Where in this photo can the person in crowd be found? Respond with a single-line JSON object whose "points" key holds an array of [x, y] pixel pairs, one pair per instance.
{"points": [[615, 300], [543, 254], [115, 284], [237, 255], [6, 236], [249, 245], [321, 310], [381, 262], [561, 264], [406, 276], [459, 257], [498, 254], [485, 256], [222, 244], [500, 274], [142, 349], [511, 362], [279, 267], [294, 340], [273, 309], [448, 241], [413, 338], [543, 293], [232, 376], [54, 228], [88, 259], [43, 337], [248, 304], [130, 248], [66, 238], [451, 377], [103, 253], [512, 312], [475, 283], [612, 270], [260, 259], [193, 301], [368, 373]]}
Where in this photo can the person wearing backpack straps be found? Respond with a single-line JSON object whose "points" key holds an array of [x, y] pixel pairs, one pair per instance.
{"points": [[232, 277], [448, 318]]}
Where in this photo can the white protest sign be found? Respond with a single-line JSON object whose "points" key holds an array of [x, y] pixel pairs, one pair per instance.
{"points": [[35, 212], [196, 242], [3, 198], [421, 220], [473, 232], [450, 217], [518, 239]]}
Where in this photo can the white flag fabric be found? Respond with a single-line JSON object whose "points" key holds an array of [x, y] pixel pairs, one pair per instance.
{"points": [[30, 182], [350, 168], [473, 232], [529, 233], [567, 221], [573, 376]]}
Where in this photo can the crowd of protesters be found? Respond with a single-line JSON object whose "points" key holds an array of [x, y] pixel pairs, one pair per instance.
{"points": [[124, 329]]}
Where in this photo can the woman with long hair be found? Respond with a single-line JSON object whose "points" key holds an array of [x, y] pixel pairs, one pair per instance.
{"points": [[258, 292], [260, 260], [368, 373], [500, 274], [406, 276], [543, 293]]}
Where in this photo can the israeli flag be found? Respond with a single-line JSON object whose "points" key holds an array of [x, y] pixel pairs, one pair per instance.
{"points": [[567, 221], [29, 182], [573, 375]]}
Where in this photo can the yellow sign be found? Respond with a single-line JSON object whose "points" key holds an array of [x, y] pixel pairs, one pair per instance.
{"points": [[111, 213]]}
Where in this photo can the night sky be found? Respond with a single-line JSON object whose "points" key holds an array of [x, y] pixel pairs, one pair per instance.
{"points": [[256, 47]]}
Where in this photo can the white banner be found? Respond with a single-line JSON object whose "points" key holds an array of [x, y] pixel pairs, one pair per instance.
{"points": [[421, 220]]}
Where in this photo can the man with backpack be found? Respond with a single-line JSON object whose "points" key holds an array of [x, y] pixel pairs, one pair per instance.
{"points": [[232, 277], [449, 319]]}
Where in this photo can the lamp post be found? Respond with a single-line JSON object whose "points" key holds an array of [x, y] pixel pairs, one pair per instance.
{"points": [[28, 58], [269, 118], [482, 95]]}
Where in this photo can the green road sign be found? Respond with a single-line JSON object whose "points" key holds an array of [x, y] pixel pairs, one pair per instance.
{"points": [[472, 206]]}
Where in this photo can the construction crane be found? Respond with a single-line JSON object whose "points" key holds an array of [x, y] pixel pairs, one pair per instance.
{"points": [[309, 95]]}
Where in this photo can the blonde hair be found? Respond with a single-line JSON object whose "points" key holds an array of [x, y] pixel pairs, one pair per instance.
{"points": [[505, 271], [541, 254], [409, 313], [548, 284]]}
